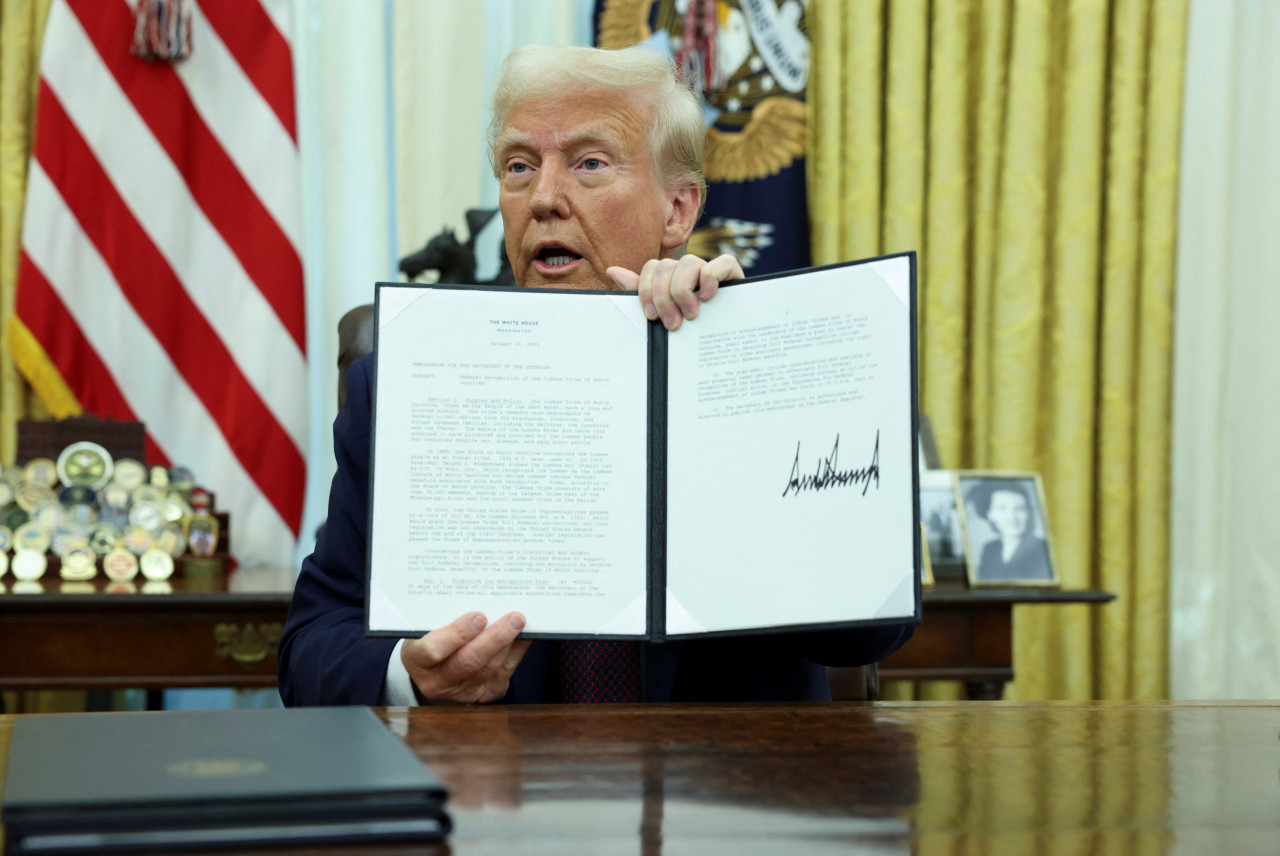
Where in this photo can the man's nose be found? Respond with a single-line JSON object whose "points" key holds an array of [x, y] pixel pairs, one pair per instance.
{"points": [[550, 197]]}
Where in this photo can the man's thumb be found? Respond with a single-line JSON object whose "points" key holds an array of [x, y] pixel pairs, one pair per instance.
{"points": [[626, 280]]}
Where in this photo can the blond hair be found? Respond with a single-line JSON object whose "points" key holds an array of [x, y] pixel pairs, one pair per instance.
{"points": [[676, 128]]}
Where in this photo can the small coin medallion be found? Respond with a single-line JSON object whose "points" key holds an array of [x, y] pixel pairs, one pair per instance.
{"points": [[14, 517], [175, 508], [147, 493], [104, 538], [28, 565], [171, 540], [156, 564], [41, 471], [85, 464], [182, 479], [6, 493], [31, 536], [12, 476], [114, 495], [202, 535], [146, 515], [200, 499], [159, 477], [78, 494], [78, 564], [112, 516], [138, 541], [120, 565], [30, 494], [48, 514], [129, 473], [67, 536], [83, 515]]}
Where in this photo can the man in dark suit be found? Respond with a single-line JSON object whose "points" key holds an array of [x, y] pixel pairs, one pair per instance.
{"points": [[599, 156]]}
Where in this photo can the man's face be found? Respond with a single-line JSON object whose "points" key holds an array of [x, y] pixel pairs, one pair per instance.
{"points": [[579, 193]]}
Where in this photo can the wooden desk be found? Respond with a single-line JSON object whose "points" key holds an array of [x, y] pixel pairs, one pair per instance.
{"points": [[108, 639], [919, 778], [967, 635], [102, 640]]}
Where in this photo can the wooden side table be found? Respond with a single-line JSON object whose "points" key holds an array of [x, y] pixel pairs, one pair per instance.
{"points": [[967, 636], [72, 638]]}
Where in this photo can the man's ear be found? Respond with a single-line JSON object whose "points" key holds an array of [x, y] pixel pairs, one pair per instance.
{"points": [[682, 213]]}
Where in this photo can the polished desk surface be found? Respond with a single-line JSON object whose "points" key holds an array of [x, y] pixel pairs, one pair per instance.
{"points": [[919, 777]]}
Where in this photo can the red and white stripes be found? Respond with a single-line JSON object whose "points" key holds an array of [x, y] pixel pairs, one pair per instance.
{"points": [[161, 270]]}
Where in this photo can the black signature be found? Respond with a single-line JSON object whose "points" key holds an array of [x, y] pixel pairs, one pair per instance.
{"points": [[828, 475]]}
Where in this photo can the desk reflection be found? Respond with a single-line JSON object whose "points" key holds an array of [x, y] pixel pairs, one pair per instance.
{"points": [[951, 778]]}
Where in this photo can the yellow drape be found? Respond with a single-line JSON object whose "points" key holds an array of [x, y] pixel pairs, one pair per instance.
{"points": [[21, 27], [1028, 149]]}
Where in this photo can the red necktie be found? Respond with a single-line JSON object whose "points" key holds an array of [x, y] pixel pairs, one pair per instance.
{"points": [[595, 672]]}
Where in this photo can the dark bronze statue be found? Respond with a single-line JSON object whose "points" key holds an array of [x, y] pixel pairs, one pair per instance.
{"points": [[455, 260]]}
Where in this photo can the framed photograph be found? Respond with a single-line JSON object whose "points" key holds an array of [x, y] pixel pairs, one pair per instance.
{"points": [[1006, 528], [940, 517]]}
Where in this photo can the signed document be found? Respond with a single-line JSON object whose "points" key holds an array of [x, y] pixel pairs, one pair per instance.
{"points": [[556, 453]]}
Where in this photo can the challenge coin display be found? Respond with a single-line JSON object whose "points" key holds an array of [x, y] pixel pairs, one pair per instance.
{"points": [[78, 564], [120, 565], [28, 565], [156, 564], [86, 464]]}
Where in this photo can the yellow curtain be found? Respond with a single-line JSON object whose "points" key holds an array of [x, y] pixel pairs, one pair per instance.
{"points": [[1028, 149], [21, 27]]}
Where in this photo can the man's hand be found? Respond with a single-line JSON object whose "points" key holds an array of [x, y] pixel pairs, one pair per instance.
{"points": [[466, 662], [666, 285]]}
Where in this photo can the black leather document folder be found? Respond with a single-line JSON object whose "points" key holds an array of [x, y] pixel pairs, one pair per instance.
{"points": [[85, 783]]}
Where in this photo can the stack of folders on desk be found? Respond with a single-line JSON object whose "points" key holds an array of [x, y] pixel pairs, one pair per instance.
{"points": [[165, 781]]}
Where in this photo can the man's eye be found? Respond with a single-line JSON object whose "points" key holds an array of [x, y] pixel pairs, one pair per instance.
{"points": [[518, 168], [593, 163]]}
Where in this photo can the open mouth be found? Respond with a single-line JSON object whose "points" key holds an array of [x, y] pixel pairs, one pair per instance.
{"points": [[555, 257]]}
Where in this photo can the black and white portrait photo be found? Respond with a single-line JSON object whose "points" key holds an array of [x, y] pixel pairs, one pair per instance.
{"points": [[940, 517], [1006, 529]]}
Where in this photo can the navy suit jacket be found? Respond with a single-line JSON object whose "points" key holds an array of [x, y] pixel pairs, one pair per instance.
{"points": [[325, 658]]}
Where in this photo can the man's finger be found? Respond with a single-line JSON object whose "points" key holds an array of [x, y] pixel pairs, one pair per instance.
{"points": [[476, 654], [684, 279], [441, 643], [720, 269], [658, 272]]}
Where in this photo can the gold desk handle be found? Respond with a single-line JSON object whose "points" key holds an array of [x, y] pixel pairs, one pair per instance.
{"points": [[248, 646]]}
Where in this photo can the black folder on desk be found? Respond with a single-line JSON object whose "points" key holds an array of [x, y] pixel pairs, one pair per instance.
{"points": [[84, 783]]}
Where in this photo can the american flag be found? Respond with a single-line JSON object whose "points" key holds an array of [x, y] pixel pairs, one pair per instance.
{"points": [[160, 278]]}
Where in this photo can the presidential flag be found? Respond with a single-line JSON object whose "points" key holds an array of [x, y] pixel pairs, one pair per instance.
{"points": [[160, 277], [748, 62]]}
